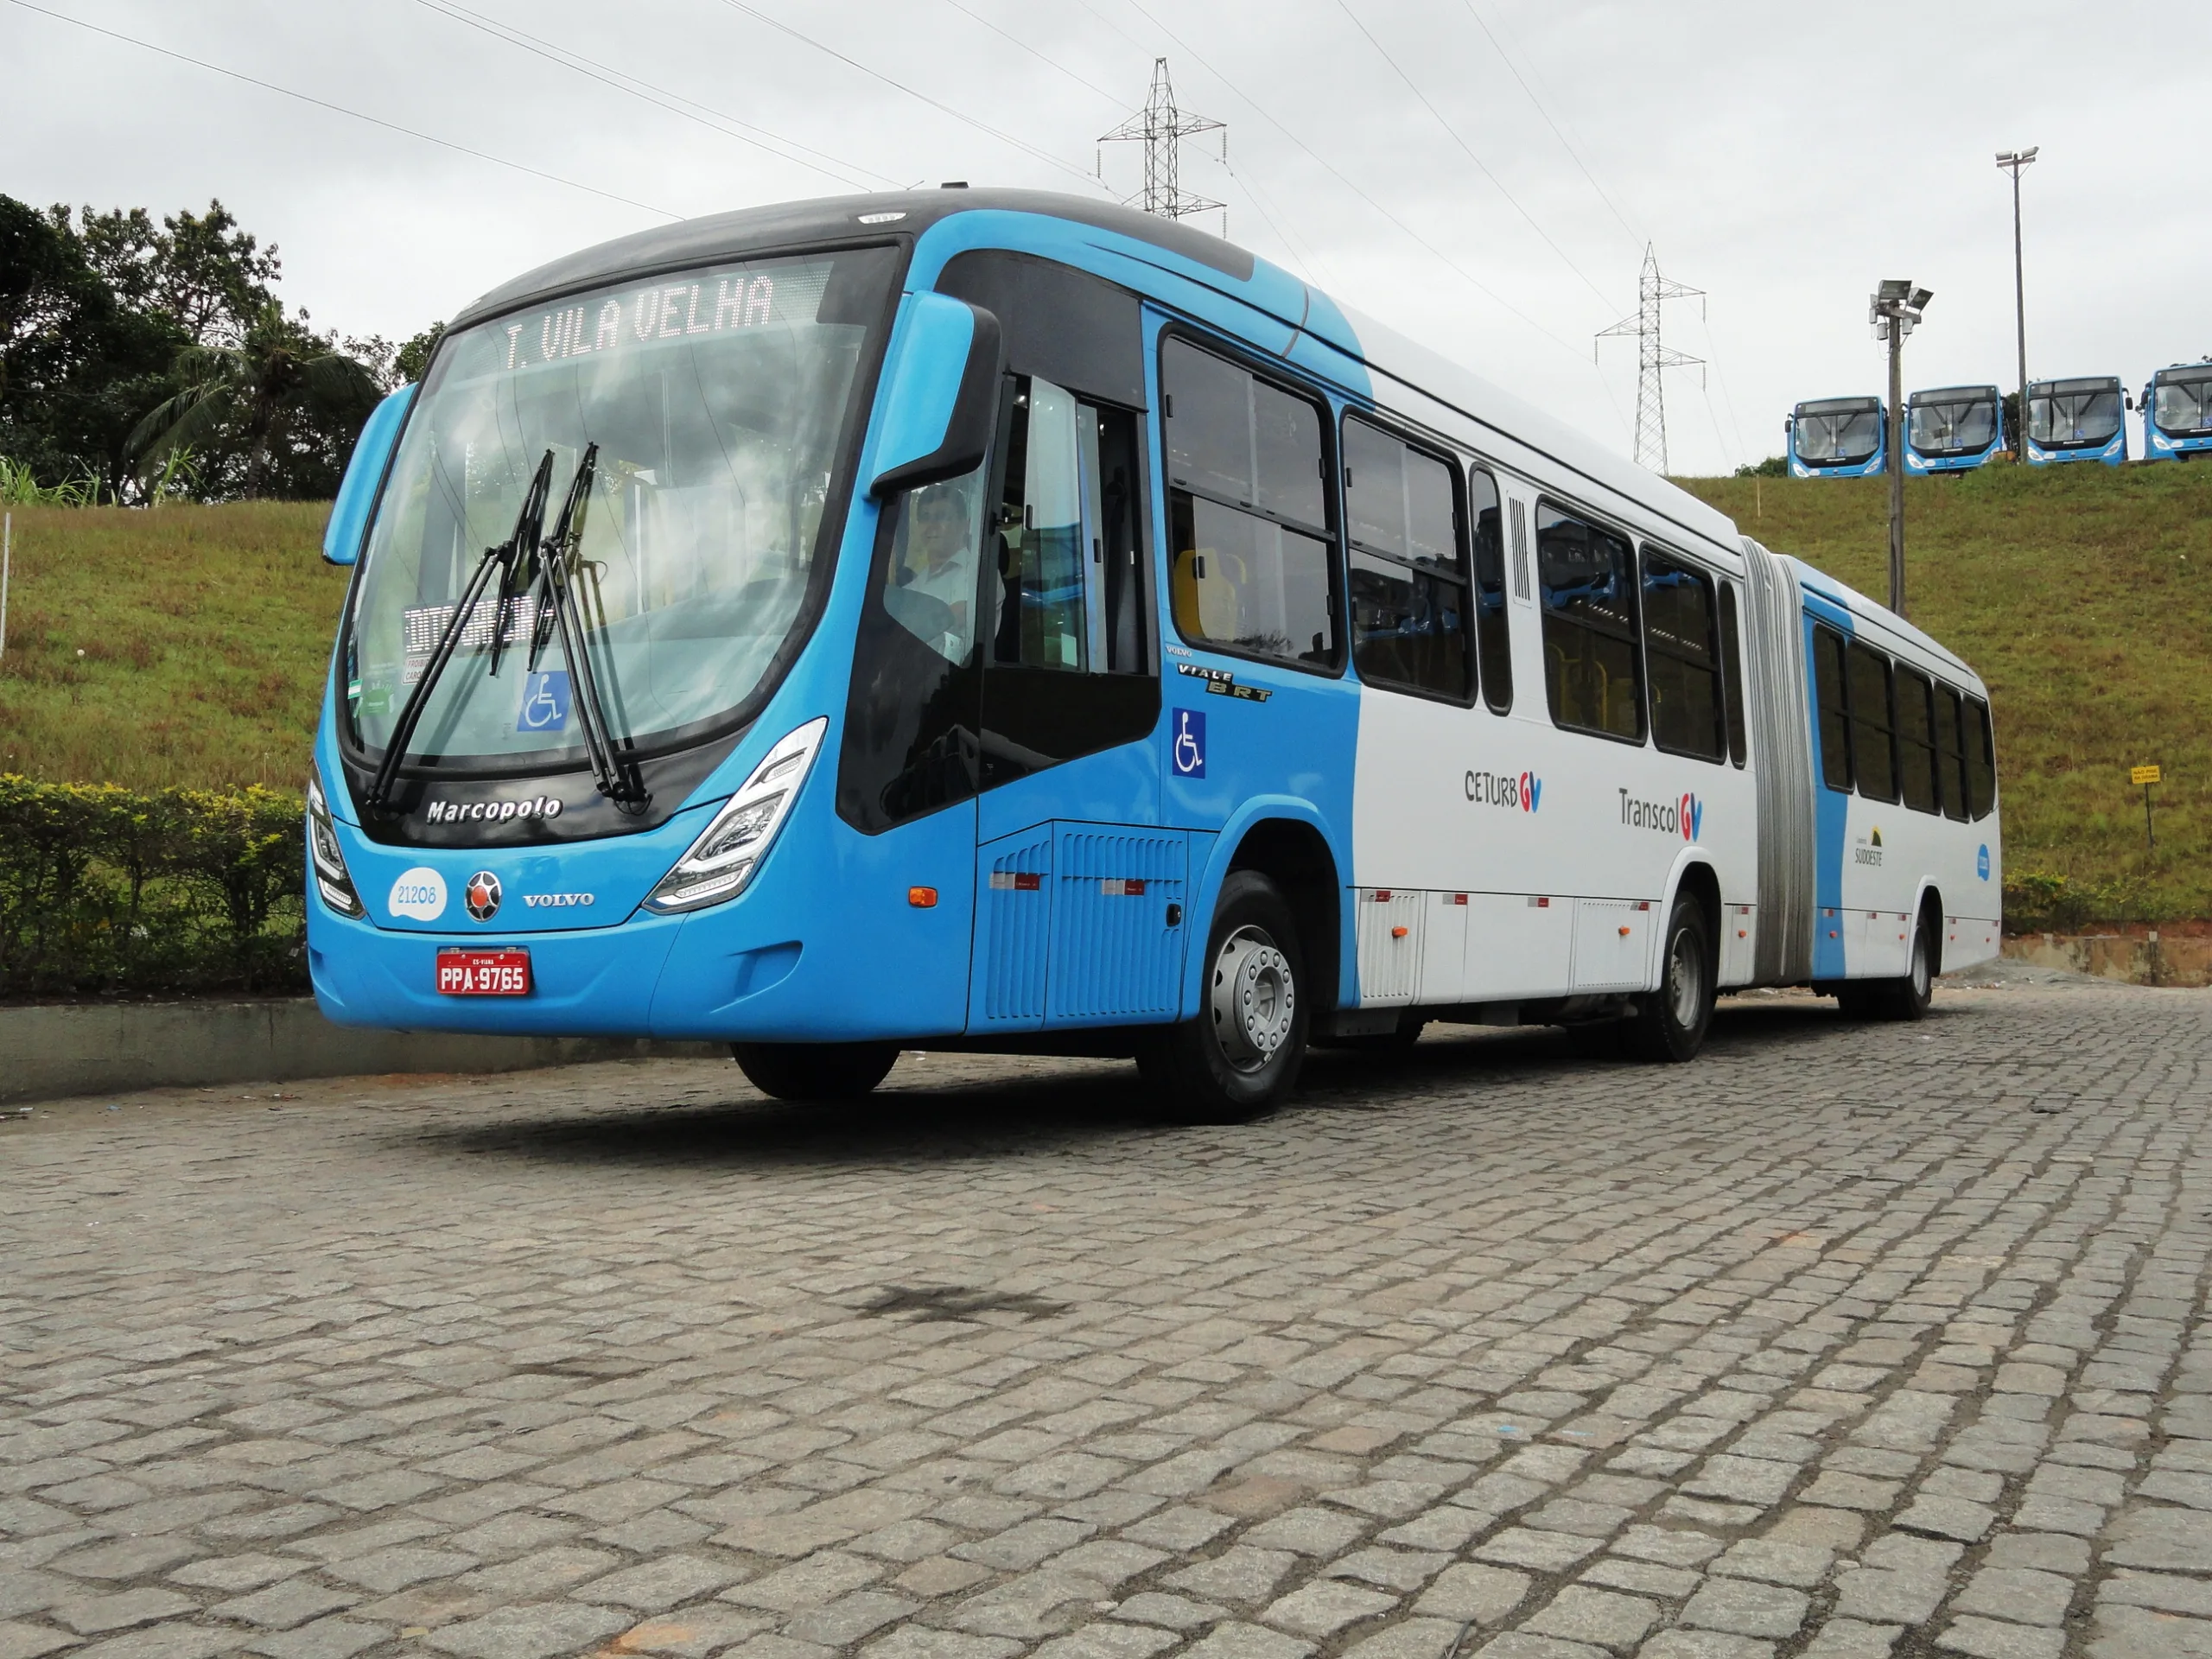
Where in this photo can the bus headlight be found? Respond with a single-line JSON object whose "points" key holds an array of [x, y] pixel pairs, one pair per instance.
{"points": [[332, 878], [722, 862]]}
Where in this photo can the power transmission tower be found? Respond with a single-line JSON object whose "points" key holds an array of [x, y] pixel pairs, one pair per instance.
{"points": [[1161, 128], [1652, 357]]}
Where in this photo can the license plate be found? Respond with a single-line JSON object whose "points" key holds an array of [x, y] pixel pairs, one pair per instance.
{"points": [[464, 972]]}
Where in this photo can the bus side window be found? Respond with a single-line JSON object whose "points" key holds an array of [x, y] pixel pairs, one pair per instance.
{"points": [[1916, 741], [1950, 753], [1592, 665], [1065, 580], [1250, 552], [1874, 759], [1835, 713], [1681, 657], [1493, 630], [1731, 667], [1408, 572], [1981, 759]]}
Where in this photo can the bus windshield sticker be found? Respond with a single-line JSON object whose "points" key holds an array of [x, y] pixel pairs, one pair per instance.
{"points": [[544, 702]]}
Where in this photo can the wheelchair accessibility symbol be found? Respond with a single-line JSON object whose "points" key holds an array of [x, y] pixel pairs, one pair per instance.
{"points": [[1189, 751], [544, 702]]}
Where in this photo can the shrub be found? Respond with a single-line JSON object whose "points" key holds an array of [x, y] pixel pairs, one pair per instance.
{"points": [[109, 890]]}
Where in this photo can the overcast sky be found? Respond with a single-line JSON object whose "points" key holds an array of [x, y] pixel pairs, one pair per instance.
{"points": [[1783, 159]]}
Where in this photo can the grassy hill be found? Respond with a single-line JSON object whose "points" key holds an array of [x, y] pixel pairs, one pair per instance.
{"points": [[187, 645], [181, 644], [2083, 596]]}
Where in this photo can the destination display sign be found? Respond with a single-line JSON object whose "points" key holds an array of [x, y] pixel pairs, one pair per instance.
{"points": [[716, 302]]}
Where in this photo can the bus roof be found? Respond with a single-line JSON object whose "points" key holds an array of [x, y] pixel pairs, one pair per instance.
{"points": [[1222, 265]]}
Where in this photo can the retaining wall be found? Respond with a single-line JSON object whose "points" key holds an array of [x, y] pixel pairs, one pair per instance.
{"points": [[51, 1050], [2138, 956]]}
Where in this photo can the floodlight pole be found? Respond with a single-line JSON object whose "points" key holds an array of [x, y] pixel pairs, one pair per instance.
{"points": [[2012, 161], [1897, 462]]}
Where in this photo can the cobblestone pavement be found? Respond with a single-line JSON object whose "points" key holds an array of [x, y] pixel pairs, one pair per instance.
{"points": [[1844, 1341]]}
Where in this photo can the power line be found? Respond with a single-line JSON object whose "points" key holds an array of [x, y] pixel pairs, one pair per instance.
{"points": [[1495, 46], [1004, 137], [1468, 277], [662, 98], [1043, 58], [339, 109], [1480, 166]]}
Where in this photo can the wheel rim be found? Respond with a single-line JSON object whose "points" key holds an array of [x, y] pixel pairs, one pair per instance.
{"points": [[1920, 976], [1253, 999], [1685, 980]]}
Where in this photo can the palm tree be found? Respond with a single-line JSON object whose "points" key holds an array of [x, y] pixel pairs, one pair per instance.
{"points": [[253, 397]]}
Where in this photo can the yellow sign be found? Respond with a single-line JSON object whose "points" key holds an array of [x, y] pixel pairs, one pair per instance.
{"points": [[2142, 774]]}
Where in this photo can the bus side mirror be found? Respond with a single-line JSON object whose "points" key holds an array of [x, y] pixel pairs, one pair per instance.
{"points": [[941, 394], [349, 514]]}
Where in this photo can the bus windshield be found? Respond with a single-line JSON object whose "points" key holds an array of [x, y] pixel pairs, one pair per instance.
{"points": [[719, 402], [2183, 405], [1956, 426], [1840, 431], [2065, 413]]}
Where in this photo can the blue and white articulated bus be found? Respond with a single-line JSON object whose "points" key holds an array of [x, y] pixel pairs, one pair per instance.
{"points": [[1839, 437], [2177, 412], [991, 620], [1953, 429], [2081, 419]]}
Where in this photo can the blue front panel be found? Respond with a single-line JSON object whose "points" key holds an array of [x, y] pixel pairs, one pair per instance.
{"points": [[2111, 453], [1013, 930], [1115, 955]]}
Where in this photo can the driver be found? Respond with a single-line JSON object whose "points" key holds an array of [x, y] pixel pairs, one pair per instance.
{"points": [[941, 547]]}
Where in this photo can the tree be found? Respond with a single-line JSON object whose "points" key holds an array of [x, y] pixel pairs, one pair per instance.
{"points": [[199, 269], [265, 410], [79, 365]]}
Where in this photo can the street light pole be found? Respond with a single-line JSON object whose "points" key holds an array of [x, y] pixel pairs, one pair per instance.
{"points": [[2012, 161], [1896, 463], [1895, 312]]}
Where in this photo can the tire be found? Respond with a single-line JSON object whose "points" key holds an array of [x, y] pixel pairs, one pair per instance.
{"points": [[1238, 1060], [1670, 1023], [1904, 999], [1908, 998], [814, 1071]]}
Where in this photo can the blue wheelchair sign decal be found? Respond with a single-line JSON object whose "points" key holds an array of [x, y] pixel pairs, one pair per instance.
{"points": [[1187, 743], [1982, 862], [544, 702]]}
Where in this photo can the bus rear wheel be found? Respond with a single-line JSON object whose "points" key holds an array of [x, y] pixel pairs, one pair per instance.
{"points": [[801, 1071], [1671, 1024], [1239, 1058]]}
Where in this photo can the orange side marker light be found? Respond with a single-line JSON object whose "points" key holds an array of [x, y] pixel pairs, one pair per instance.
{"points": [[922, 898]]}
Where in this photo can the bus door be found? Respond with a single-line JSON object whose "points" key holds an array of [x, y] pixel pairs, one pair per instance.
{"points": [[1079, 890]]}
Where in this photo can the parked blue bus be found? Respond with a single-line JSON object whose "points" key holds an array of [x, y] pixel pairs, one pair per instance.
{"points": [[2177, 412], [992, 621], [2081, 419], [1953, 429], [1839, 437]]}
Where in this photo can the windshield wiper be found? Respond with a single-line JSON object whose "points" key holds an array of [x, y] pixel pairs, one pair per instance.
{"points": [[523, 561], [615, 778], [521, 541]]}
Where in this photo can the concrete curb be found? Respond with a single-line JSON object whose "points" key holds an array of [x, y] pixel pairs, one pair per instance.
{"points": [[53, 1050]]}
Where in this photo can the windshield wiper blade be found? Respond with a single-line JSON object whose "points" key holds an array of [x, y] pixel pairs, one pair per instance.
{"points": [[614, 776], [503, 557]]}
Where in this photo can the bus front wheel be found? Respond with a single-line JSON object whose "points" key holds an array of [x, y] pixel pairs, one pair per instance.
{"points": [[1239, 1058], [814, 1071]]}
